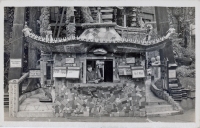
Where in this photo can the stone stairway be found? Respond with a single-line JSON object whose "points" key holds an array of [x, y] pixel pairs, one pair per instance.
{"points": [[177, 92], [156, 106], [160, 110], [32, 107]]}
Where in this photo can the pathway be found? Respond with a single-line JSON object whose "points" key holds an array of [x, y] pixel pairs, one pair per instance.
{"points": [[150, 97]]}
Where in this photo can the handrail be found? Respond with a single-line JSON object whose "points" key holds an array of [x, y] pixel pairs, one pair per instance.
{"points": [[18, 81], [14, 94], [23, 77]]}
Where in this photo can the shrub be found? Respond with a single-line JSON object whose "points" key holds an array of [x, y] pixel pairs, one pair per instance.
{"points": [[185, 71]]}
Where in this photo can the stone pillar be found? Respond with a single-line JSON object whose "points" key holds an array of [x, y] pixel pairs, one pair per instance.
{"points": [[13, 97], [17, 45]]}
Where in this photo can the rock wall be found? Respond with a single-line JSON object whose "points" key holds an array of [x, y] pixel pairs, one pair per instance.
{"points": [[119, 100]]}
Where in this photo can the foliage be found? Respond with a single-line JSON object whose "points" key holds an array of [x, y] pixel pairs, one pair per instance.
{"points": [[187, 82], [183, 52], [8, 22], [185, 71]]}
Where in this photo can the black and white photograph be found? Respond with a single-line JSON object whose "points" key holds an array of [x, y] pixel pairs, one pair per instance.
{"points": [[127, 64]]}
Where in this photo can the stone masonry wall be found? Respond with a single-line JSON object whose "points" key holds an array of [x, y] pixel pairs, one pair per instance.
{"points": [[119, 99]]}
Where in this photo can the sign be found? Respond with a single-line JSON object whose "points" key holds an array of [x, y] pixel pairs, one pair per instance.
{"points": [[69, 60], [130, 60], [138, 73], [124, 70], [59, 72], [172, 73], [34, 74], [73, 72], [15, 63]]}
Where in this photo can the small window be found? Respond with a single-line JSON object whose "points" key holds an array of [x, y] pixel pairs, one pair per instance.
{"points": [[48, 72]]}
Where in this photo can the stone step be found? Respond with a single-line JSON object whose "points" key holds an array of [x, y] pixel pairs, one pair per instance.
{"points": [[173, 85], [158, 108], [6, 105], [165, 113], [35, 114], [41, 108], [6, 94], [176, 88], [156, 103], [178, 99], [6, 100], [176, 94]]}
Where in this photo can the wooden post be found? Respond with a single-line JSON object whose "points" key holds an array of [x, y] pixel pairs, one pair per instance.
{"points": [[115, 15], [167, 64], [99, 14], [54, 31], [60, 22], [124, 12], [84, 71]]}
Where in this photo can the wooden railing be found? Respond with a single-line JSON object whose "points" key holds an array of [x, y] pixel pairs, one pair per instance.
{"points": [[14, 94]]}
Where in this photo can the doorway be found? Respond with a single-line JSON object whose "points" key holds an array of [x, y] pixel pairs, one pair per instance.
{"points": [[108, 71]]}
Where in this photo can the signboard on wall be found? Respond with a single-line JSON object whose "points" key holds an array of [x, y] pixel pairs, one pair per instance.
{"points": [[172, 73], [73, 72], [124, 70], [130, 60], [15, 63], [59, 72], [34, 73], [138, 73], [69, 60]]}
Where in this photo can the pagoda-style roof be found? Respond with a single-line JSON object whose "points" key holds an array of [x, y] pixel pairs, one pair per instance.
{"points": [[95, 37], [82, 46]]}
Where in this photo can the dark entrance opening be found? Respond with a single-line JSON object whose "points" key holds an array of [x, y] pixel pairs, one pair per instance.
{"points": [[104, 68], [108, 71]]}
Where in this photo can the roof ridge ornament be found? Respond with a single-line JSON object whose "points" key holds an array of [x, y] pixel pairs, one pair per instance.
{"points": [[27, 31]]}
